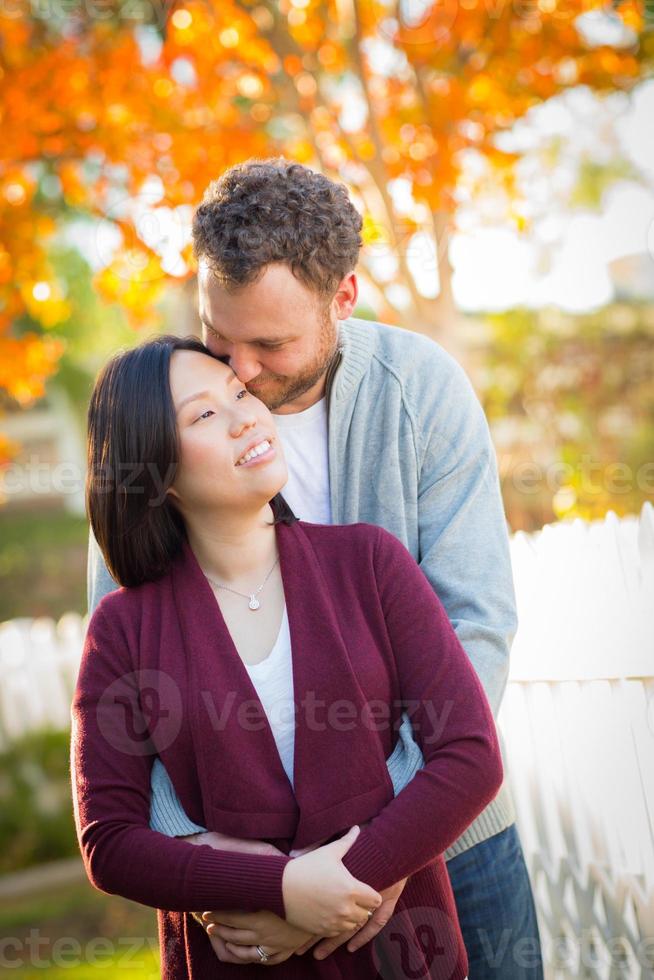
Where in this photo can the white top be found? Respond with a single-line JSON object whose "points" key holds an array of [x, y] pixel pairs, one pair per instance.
{"points": [[273, 681], [304, 440]]}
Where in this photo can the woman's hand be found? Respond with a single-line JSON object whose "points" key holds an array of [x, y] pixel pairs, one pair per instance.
{"points": [[340, 904], [235, 935], [283, 941]]}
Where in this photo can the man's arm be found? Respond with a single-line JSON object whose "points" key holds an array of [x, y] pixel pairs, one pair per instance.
{"points": [[98, 580], [464, 541]]}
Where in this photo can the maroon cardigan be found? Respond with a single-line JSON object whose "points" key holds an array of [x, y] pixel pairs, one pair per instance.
{"points": [[160, 675]]}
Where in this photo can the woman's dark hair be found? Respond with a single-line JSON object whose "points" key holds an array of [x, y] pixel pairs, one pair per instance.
{"points": [[276, 210], [133, 455]]}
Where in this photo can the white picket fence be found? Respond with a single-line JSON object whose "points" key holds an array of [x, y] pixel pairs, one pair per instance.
{"points": [[578, 720], [578, 723]]}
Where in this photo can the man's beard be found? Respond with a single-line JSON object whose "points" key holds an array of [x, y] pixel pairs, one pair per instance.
{"points": [[280, 390]]}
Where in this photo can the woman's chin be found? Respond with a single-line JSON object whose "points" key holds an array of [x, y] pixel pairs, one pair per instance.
{"points": [[262, 486]]}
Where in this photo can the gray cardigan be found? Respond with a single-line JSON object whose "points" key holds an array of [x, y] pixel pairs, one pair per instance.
{"points": [[409, 450]]}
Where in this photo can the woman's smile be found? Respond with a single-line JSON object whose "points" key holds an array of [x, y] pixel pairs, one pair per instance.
{"points": [[269, 452]]}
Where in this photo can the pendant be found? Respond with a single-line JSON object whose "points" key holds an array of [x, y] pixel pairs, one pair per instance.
{"points": [[254, 602]]}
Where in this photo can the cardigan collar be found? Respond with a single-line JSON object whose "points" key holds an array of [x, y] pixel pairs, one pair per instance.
{"points": [[245, 789]]}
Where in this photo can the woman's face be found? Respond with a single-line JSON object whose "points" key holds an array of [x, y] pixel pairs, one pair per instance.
{"points": [[218, 421]]}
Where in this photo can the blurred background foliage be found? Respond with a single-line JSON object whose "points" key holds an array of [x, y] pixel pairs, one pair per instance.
{"points": [[79, 930], [115, 117], [36, 822]]}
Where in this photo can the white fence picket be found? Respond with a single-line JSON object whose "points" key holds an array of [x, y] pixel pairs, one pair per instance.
{"points": [[578, 722]]}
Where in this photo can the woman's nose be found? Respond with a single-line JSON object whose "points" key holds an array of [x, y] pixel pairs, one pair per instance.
{"points": [[242, 420]]}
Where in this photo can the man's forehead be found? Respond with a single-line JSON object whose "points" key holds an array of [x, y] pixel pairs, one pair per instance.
{"points": [[275, 277]]}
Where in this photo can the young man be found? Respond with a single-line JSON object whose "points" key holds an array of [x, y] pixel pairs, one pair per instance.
{"points": [[378, 425]]}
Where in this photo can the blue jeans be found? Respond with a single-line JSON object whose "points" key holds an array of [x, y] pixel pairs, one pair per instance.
{"points": [[496, 909]]}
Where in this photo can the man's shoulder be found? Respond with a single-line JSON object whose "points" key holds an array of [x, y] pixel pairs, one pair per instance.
{"points": [[410, 356]]}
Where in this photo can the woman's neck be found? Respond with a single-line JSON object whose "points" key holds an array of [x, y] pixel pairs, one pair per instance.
{"points": [[234, 550]]}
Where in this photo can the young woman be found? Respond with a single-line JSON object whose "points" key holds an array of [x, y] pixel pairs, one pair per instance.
{"points": [[216, 575]]}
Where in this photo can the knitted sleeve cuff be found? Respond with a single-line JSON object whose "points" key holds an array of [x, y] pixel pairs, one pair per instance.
{"points": [[368, 863], [237, 880]]}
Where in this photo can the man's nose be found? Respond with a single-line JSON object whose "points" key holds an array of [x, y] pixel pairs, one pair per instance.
{"points": [[244, 364]]}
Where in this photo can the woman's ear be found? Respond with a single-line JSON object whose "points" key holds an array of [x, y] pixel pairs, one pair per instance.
{"points": [[172, 493]]}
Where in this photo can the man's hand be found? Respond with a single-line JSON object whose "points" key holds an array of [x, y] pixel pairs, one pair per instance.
{"points": [[359, 937], [224, 842], [224, 928]]}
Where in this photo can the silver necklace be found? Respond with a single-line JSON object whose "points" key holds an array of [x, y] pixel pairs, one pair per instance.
{"points": [[252, 596]]}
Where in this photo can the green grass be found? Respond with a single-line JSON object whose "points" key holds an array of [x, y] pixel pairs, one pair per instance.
{"points": [[126, 965], [78, 932]]}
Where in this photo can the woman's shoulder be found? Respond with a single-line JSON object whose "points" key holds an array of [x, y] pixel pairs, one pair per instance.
{"points": [[357, 544], [356, 534], [343, 535], [124, 606]]}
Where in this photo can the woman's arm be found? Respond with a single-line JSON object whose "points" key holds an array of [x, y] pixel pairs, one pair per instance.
{"points": [[452, 722], [111, 759], [110, 770]]}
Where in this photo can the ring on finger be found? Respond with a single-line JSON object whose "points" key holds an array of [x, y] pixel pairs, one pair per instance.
{"points": [[371, 912], [263, 956]]}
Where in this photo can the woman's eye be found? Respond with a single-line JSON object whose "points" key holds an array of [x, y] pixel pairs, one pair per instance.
{"points": [[203, 414]]}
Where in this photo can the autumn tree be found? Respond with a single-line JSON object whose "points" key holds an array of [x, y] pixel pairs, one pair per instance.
{"points": [[102, 101]]}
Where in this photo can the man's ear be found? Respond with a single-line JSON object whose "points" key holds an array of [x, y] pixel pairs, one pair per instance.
{"points": [[345, 298]]}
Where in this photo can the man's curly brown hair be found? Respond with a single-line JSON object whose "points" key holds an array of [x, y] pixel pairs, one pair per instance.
{"points": [[275, 210]]}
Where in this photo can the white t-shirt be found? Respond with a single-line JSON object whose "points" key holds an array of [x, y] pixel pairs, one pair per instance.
{"points": [[304, 440], [273, 681]]}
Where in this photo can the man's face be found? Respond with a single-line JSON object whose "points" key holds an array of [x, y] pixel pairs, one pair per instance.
{"points": [[277, 334]]}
